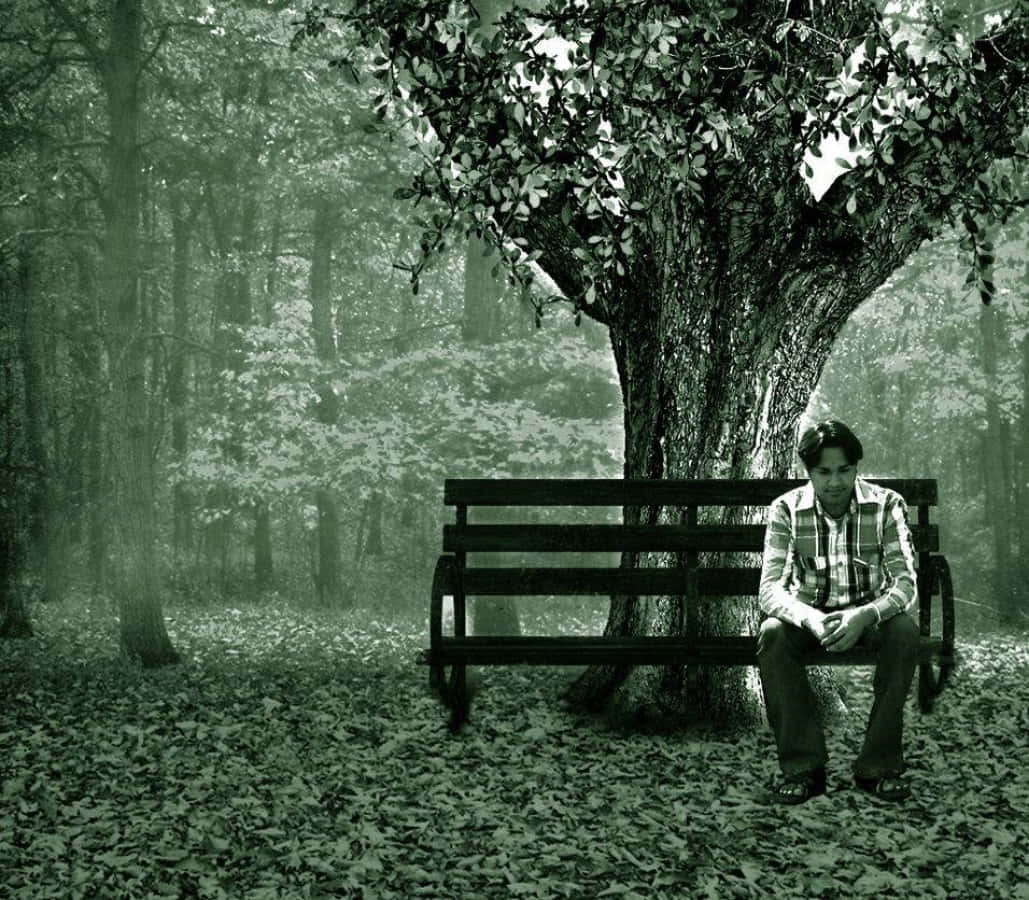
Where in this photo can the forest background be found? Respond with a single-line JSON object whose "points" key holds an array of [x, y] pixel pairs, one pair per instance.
{"points": [[301, 405], [202, 317]]}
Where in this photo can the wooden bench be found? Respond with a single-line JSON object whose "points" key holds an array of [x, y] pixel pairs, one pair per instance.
{"points": [[454, 577]]}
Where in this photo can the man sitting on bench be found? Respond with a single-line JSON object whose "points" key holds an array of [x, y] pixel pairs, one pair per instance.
{"points": [[838, 570]]}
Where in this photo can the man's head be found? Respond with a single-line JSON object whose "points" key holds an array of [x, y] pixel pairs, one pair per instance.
{"points": [[830, 453]]}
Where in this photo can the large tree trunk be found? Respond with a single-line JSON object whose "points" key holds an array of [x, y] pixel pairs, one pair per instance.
{"points": [[718, 351], [143, 633]]}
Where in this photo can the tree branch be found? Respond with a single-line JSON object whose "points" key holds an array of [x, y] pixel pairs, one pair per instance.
{"points": [[74, 24], [44, 232], [161, 38], [979, 127], [164, 335]]}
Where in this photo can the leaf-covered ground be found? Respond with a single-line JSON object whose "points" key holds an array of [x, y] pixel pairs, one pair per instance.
{"points": [[300, 755]]}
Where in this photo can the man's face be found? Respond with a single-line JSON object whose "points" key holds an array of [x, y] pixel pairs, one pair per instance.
{"points": [[833, 480]]}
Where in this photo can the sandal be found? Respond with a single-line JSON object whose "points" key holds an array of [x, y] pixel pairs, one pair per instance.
{"points": [[885, 787], [799, 788]]}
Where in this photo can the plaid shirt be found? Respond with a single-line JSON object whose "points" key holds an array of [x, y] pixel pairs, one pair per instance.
{"points": [[811, 560]]}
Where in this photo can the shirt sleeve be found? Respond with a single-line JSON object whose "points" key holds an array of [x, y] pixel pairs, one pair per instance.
{"points": [[898, 561], [774, 599]]}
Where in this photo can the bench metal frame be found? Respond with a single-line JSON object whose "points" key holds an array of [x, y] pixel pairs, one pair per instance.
{"points": [[453, 577]]}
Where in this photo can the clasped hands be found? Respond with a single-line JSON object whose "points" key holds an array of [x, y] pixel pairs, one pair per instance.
{"points": [[839, 630]]}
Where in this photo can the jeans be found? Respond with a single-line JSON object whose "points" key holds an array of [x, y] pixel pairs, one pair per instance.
{"points": [[790, 702]]}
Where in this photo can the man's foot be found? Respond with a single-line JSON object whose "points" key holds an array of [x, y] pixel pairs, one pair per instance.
{"points": [[887, 787], [799, 788]]}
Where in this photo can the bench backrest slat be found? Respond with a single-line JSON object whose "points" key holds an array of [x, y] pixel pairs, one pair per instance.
{"points": [[648, 492], [711, 582], [586, 538]]}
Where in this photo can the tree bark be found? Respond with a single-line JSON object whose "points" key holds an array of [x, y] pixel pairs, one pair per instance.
{"points": [[718, 351], [328, 581], [143, 633]]}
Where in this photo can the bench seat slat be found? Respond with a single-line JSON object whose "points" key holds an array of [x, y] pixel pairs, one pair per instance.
{"points": [[632, 651], [579, 538], [648, 492]]}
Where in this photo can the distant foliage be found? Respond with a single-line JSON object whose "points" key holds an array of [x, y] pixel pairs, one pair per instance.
{"points": [[908, 374], [519, 407]]}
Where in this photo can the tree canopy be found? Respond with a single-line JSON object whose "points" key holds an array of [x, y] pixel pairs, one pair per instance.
{"points": [[567, 132]]}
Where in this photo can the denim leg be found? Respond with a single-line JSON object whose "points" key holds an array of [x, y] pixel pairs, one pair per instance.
{"points": [[897, 640], [789, 700]]}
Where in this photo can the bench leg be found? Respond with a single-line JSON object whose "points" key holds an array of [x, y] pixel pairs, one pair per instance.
{"points": [[438, 682], [930, 682], [444, 581], [926, 687], [458, 699]]}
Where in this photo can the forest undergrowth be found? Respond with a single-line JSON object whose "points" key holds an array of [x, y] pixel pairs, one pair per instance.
{"points": [[300, 754]]}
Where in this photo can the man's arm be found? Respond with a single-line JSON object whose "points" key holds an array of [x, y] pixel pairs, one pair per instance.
{"points": [[898, 561], [773, 597]]}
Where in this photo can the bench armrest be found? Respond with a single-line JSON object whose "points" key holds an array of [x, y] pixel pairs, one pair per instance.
{"points": [[941, 576], [445, 580]]}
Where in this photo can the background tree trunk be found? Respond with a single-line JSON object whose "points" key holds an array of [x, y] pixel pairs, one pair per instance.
{"points": [[264, 564], [36, 404], [14, 613], [234, 225], [480, 323], [995, 469], [480, 317], [182, 502], [143, 633], [1022, 493], [87, 353], [326, 223]]}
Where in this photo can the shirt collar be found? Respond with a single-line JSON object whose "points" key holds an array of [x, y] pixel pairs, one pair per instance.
{"points": [[861, 495]]}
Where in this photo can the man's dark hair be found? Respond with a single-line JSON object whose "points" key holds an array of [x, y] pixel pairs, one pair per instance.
{"points": [[828, 434]]}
